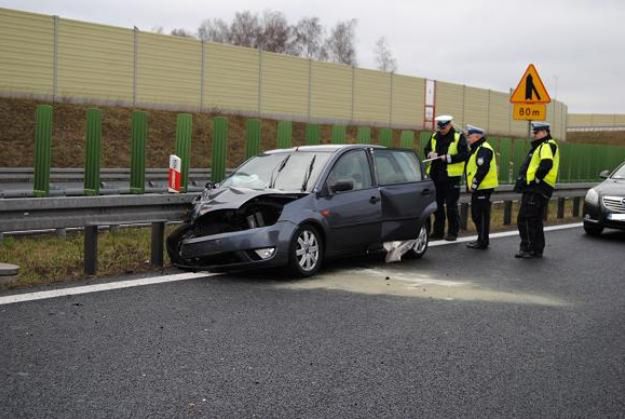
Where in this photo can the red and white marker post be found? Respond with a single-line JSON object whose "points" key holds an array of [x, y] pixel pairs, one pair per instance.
{"points": [[175, 175]]}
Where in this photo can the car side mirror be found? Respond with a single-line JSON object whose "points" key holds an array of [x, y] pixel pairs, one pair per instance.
{"points": [[604, 174], [342, 186]]}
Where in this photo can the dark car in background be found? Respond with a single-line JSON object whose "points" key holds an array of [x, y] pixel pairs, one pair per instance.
{"points": [[604, 205], [301, 205]]}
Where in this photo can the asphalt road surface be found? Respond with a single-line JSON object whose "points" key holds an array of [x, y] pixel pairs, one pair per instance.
{"points": [[460, 333]]}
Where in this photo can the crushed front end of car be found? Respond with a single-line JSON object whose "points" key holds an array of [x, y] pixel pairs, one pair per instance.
{"points": [[233, 228]]}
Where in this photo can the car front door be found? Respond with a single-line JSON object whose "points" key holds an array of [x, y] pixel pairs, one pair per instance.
{"points": [[353, 215], [404, 191]]}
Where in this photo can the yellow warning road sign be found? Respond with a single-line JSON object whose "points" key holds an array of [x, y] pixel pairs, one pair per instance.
{"points": [[530, 89], [529, 112]]}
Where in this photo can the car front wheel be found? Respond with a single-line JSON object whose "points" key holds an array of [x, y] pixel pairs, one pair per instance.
{"points": [[306, 251], [592, 229]]}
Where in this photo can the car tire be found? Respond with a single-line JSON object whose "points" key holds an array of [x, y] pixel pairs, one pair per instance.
{"points": [[593, 229], [422, 242], [305, 251]]}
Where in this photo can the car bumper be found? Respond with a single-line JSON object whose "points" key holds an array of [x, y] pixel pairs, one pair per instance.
{"points": [[601, 216], [235, 251]]}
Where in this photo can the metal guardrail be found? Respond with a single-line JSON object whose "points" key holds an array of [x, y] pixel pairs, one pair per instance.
{"points": [[92, 212]]}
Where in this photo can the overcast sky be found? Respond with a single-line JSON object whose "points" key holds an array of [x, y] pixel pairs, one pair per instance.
{"points": [[578, 46]]}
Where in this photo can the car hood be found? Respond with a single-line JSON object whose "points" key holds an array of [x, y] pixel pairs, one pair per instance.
{"points": [[611, 187], [233, 198]]}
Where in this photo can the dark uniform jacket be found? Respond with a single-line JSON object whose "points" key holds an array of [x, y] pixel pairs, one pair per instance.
{"points": [[438, 170], [483, 159], [545, 165]]}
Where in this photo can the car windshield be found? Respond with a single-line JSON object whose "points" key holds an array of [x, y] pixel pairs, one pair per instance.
{"points": [[294, 171], [620, 173]]}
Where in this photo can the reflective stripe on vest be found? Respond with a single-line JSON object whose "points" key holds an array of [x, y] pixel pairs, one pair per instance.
{"points": [[490, 181], [544, 152], [453, 169]]}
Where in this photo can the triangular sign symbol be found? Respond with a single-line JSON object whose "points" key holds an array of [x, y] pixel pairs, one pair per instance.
{"points": [[530, 89]]}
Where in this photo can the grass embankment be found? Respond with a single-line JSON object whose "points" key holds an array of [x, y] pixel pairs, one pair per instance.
{"points": [[46, 259]]}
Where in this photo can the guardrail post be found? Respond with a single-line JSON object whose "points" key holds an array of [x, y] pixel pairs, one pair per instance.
{"points": [[220, 148], [93, 151], [61, 233], [507, 213], [252, 137], [576, 201], [561, 203], [338, 134], [313, 134], [464, 215], [183, 146], [385, 137], [43, 150], [285, 133], [363, 135], [157, 239], [91, 249], [137, 158]]}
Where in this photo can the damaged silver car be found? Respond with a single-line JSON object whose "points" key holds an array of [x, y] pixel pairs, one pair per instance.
{"points": [[298, 207]]}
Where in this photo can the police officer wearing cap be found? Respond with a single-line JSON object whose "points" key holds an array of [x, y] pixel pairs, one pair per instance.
{"points": [[450, 151], [481, 174], [537, 180]]}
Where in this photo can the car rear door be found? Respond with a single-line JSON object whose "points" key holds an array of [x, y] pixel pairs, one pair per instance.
{"points": [[353, 216], [405, 193]]}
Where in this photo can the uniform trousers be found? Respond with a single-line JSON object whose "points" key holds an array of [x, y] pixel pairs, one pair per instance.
{"points": [[530, 222], [480, 214]]}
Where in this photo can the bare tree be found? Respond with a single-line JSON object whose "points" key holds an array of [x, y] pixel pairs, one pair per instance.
{"points": [[214, 30], [275, 32], [308, 39], [340, 45], [383, 56], [183, 33], [245, 29]]}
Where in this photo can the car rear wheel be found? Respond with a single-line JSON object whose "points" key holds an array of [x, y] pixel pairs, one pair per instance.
{"points": [[421, 244], [306, 251], [592, 229]]}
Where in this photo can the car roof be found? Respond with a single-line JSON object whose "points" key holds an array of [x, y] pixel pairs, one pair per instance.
{"points": [[323, 147]]}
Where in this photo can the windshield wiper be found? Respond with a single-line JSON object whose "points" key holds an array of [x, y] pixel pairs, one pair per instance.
{"points": [[272, 180], [308, 173]]}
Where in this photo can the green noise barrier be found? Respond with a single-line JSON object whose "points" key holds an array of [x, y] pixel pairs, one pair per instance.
{"points": [[338, 134], [424, 139], [385, 137], [285, 134], [312, 134], [406, 139], [137, 149], [93, 151], [43, 150], [252, 138], [220, 148], [363, 135], [183, 146]]}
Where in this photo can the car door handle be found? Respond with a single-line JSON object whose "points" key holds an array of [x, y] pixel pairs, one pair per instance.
{"points": [[426, 192], [374, 199]]}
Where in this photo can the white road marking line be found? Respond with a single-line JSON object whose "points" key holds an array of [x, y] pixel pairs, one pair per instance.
{"points": [[503, 234], [86, 289]]}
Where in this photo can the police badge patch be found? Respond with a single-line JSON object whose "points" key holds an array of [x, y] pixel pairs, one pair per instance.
{"points": [[480, 161]]}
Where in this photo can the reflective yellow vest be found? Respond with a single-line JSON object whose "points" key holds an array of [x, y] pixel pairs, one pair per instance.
{"points": [[544, 152], [453, 169], [490, 181]]}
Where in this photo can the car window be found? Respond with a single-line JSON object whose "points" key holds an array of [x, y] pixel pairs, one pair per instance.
{"points": [[353, 166], [396, 166]]}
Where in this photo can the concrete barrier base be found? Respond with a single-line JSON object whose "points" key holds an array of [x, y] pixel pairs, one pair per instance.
{"points": [[8, 273]]}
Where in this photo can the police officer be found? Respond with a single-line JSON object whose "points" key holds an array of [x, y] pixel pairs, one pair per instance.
{"points": [[481, 173], [450, 150], [537, 180]]}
